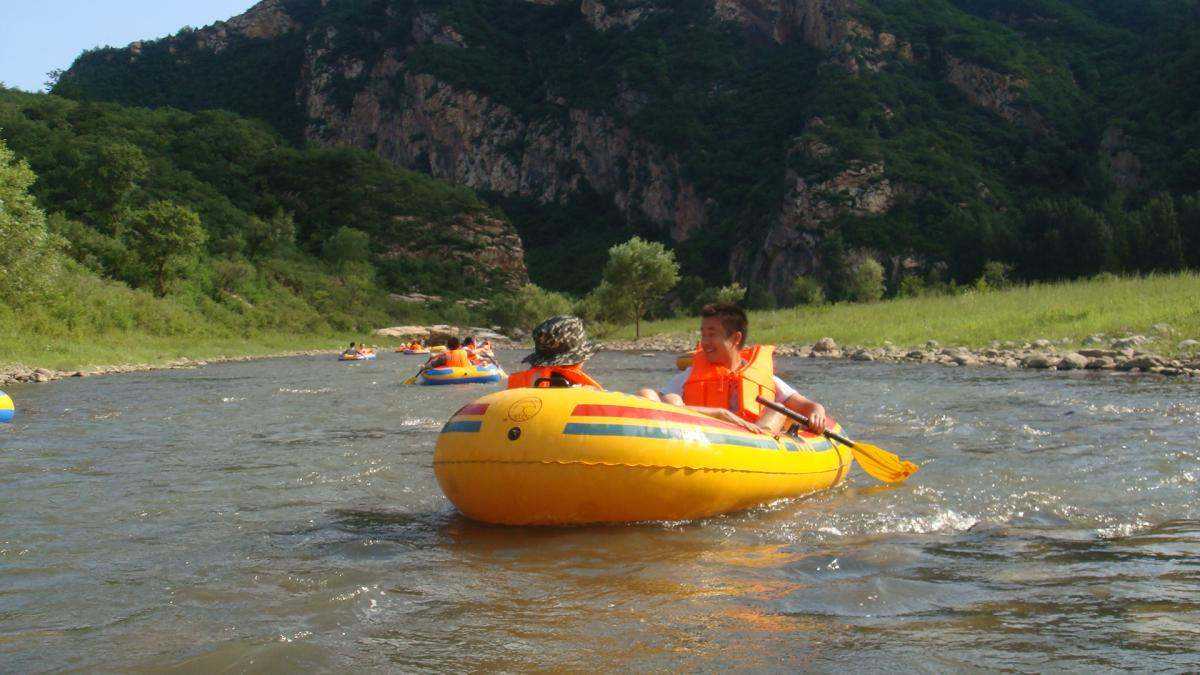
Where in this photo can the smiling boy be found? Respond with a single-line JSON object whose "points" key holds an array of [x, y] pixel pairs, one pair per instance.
{"points": [[726, 376]]}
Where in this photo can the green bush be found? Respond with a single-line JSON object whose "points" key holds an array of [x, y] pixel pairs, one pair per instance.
{"points": [[863, 278], [911, 286], [760, 297], [527, 307], [734, 293], [807, 291], [994, 276]]}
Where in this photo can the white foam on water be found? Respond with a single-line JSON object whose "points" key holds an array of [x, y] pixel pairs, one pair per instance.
{"points": [[942, 521], [1120, 530], [232, 399], [322, 390]]}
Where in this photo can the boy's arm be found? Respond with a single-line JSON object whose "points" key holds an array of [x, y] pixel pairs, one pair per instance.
{"points": [[727, 416], [815, 412], [794, 400]]}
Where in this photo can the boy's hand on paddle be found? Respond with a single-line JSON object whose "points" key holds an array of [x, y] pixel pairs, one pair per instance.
{"points": [[816, 419]]}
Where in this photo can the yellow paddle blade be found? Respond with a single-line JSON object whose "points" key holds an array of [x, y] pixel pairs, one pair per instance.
{"points": [[413, 379], [881, 464]]}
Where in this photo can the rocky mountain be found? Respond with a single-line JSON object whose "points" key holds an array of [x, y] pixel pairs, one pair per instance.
{"points": [[762, 138]]}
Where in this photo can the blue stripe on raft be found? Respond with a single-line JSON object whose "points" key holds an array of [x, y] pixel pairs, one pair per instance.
{"points": [[462, 426], [463, 380], [6, 415], [666, 433]]}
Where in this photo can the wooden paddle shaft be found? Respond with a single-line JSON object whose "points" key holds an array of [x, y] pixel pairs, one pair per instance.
{"points": [[788, 412]]}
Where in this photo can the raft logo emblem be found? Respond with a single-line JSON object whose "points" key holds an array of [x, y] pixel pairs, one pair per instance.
{"points": [[525, 409]]}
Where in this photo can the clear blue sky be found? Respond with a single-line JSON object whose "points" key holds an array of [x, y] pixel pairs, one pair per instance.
{"points": [[37, 36]]}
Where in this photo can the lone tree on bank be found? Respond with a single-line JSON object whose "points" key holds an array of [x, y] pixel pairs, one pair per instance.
{"points": [[166, 236], [638, 272]]}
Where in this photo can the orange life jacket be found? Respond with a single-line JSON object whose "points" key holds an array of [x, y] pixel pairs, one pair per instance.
{"points": [[456, 358], [529, 378], [713, 386]]}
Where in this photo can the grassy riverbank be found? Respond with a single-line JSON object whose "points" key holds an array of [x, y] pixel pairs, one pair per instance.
{"points": [[1113, 306], [70, 353]]}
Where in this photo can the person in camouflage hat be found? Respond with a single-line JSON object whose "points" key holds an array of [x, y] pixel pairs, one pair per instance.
{"points": [[560, 347]]}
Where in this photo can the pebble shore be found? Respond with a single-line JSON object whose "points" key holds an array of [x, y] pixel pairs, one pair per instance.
{"points": [[1120, 354], [1123, 354], [23, 374]]}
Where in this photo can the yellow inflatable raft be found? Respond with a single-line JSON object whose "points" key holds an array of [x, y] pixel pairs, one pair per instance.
{"points": [[575, 456], [474, 374], [358, 356]]}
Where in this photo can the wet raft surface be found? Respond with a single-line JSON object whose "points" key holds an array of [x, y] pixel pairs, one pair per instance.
{"points": [[284, 514]]}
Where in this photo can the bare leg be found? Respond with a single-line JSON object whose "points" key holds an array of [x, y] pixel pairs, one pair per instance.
{"points": [[649, 394], [673, 399]]}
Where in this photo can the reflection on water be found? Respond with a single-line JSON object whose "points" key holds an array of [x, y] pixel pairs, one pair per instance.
{"points": [[283, 516]]}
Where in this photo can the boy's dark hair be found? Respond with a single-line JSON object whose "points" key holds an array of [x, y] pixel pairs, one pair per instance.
{"points": [[351, 345], [469, 341], [453, 343], [732, 317]]}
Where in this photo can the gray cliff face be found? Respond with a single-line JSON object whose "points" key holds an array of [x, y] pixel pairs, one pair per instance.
{"points": [[420, 122], [790, 246], [477, 246]]}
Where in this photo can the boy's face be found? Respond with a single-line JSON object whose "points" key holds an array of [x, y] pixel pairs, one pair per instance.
{"points": [[718, 345]]}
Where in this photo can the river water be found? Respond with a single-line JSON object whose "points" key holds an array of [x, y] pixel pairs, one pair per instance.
{"points": [[283, 515]]}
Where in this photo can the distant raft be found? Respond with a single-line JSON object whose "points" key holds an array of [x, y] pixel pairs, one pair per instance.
{"points": [[481, 374], [574, 456], [369, 356], [7, 409]]}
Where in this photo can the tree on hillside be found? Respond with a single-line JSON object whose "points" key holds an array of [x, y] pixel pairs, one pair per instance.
{"points": [[1189, 227], [1160, 243], [272, 236], [28, 253], [165, 236], [638, 273], [102, 179], [1067, 239], [347, 246]]}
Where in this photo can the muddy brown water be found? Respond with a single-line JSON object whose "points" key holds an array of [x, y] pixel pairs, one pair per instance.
{"points": [[282, 515]]}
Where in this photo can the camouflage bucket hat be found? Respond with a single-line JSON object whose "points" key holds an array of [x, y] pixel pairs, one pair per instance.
{"points": [[560, 341]]}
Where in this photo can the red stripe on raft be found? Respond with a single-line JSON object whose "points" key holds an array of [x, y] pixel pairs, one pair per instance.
{"points": [[473, 409], [596, 410]]}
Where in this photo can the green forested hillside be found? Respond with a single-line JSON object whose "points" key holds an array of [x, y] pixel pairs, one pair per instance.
{"points": [[163, 222], [1061, 137]]}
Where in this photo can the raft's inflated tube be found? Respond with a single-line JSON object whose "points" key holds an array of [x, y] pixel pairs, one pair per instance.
{"points": [[574, 456], [482, 374], [413, 351], [7, 409]]}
